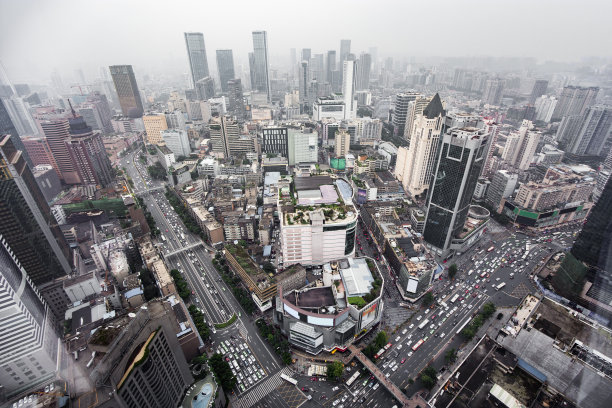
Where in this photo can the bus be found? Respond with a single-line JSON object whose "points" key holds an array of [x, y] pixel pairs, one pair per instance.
{"points": [[454, 299], [423, 324], [491, 249], [379, 354], [289, 379], [351, 380], [388, 346], [501, 285], [417, 344]]}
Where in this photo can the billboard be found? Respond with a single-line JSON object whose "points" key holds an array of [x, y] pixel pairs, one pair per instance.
{"points": [[412, 285], [320, 321], [362, 195]]}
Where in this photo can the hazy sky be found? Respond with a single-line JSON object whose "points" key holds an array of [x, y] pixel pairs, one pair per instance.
{"points": [[37, 36]]}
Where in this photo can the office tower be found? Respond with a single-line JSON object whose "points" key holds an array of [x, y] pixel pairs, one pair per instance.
{"points": [[28, 342], [539, 88], [39, 151], [459, 164], [302, 146], [400, 111], [364, 66], [345, 50], [224, 132], [97, 112], [568, 129], [415, 164], [493, 91], [196, 51], [492, 128], [205, 89], [502, 186], [7, 127], [415, 108], [261, 63], [331, 65], [275, 140], [304, 83], [343, 143], [544, 107], [154, 124], [177, 141], [158, 375], [594, 137], [349, 76], [526, 153], [225, 65], [127, 90], [306, 54], [57, 133], [574, 100], [26, 222], [175, 120], [88, 154], [236, 98]]}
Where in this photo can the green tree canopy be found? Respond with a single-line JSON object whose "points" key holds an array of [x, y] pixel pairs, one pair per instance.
{"points": [[335, 370]]}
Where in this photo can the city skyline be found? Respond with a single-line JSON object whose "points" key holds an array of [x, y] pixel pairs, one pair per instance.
{"points": [[555, 43]]}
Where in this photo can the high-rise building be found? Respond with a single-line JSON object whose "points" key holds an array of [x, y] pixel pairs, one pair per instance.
{"points": [[594, 137], [226, 139], [306, 54], [236, 98], [40, 153], [415, 108], [526, 153], [400, 111], [302, 146], [177, 141], [275, 140], [502, 186], [345, 50], [261, 63], [493, 91], [196, 51], [26, 224], [492, 128], [127, 90], [415, 164], [545, 106], [568, 129], [57, 133], [343, 143], [304, 84], [88, 154], [100, 112], [175, 120], [539, 88], [574, 100], [459, 164], [364, 67], [349, 76], [225, 65], [331, 66], [205, 88], [28, 342], [154, 124], [252, 70]]}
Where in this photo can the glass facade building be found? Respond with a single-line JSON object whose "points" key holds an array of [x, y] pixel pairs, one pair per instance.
{"points": [[225, 65], [260, 64], [196, 51], [127, 90]]}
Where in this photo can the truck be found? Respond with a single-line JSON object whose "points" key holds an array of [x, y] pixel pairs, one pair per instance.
{"points": [[423, 324], [454, 299], [501, 285]]}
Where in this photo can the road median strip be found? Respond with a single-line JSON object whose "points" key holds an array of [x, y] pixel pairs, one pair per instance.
{"points": [[225, 324]]}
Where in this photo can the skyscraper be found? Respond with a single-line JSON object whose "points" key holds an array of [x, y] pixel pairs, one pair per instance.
{"points": [[493, 91], [539, 88], [349, 76], [261, 63], [304, 82], [252, 69], [331, 66], [594, 137], [26, 223], [236, 98], [225, 65], [343, 143], [127, 90], [196, 51], [364, 66], [8, 127], [177, 141], [574, 100], [400, 111], [276, 140], [205, 88], [345, 50], [415, 108], [224, 133], [306, 54], [154, 124], [459, 163], [415, 164], [28, 343], [88, 153], [57, 133]]}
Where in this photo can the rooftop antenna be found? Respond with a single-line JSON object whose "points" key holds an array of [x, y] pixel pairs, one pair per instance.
{"points": [[72, 109]]}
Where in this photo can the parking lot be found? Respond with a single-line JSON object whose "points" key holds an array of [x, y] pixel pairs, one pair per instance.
{"points": [[244, 365]]}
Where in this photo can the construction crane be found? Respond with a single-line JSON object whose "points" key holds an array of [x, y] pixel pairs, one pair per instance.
{"points": [[80, 86]]}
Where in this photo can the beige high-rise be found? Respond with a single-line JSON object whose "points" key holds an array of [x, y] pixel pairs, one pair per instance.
{"points": [[154, 125], [343, 143], [415, 164]]}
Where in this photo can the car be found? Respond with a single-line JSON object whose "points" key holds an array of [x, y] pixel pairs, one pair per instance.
{"points": [[305, 389], [477, 286], [403, 361]]}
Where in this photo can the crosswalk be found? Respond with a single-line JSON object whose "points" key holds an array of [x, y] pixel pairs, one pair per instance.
{"points": [[242, 330], [262, 390]]}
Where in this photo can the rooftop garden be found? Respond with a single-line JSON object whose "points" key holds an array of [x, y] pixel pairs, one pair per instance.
{"points": [[243, 259], [359, 183]]}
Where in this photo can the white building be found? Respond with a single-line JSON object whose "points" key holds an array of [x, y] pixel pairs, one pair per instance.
{"points": [[328, 107], [544, 108], [165, 156], [177, 141], [209, 166], [303, 146], [349, 77]]}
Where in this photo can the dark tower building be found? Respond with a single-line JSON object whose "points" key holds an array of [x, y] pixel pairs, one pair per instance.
{"points": [[225, 65], [198, 63], [26, 222], [461, 155], [127, 90], [236, 98], [331, 66], [539, 88], [276, 140]]}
